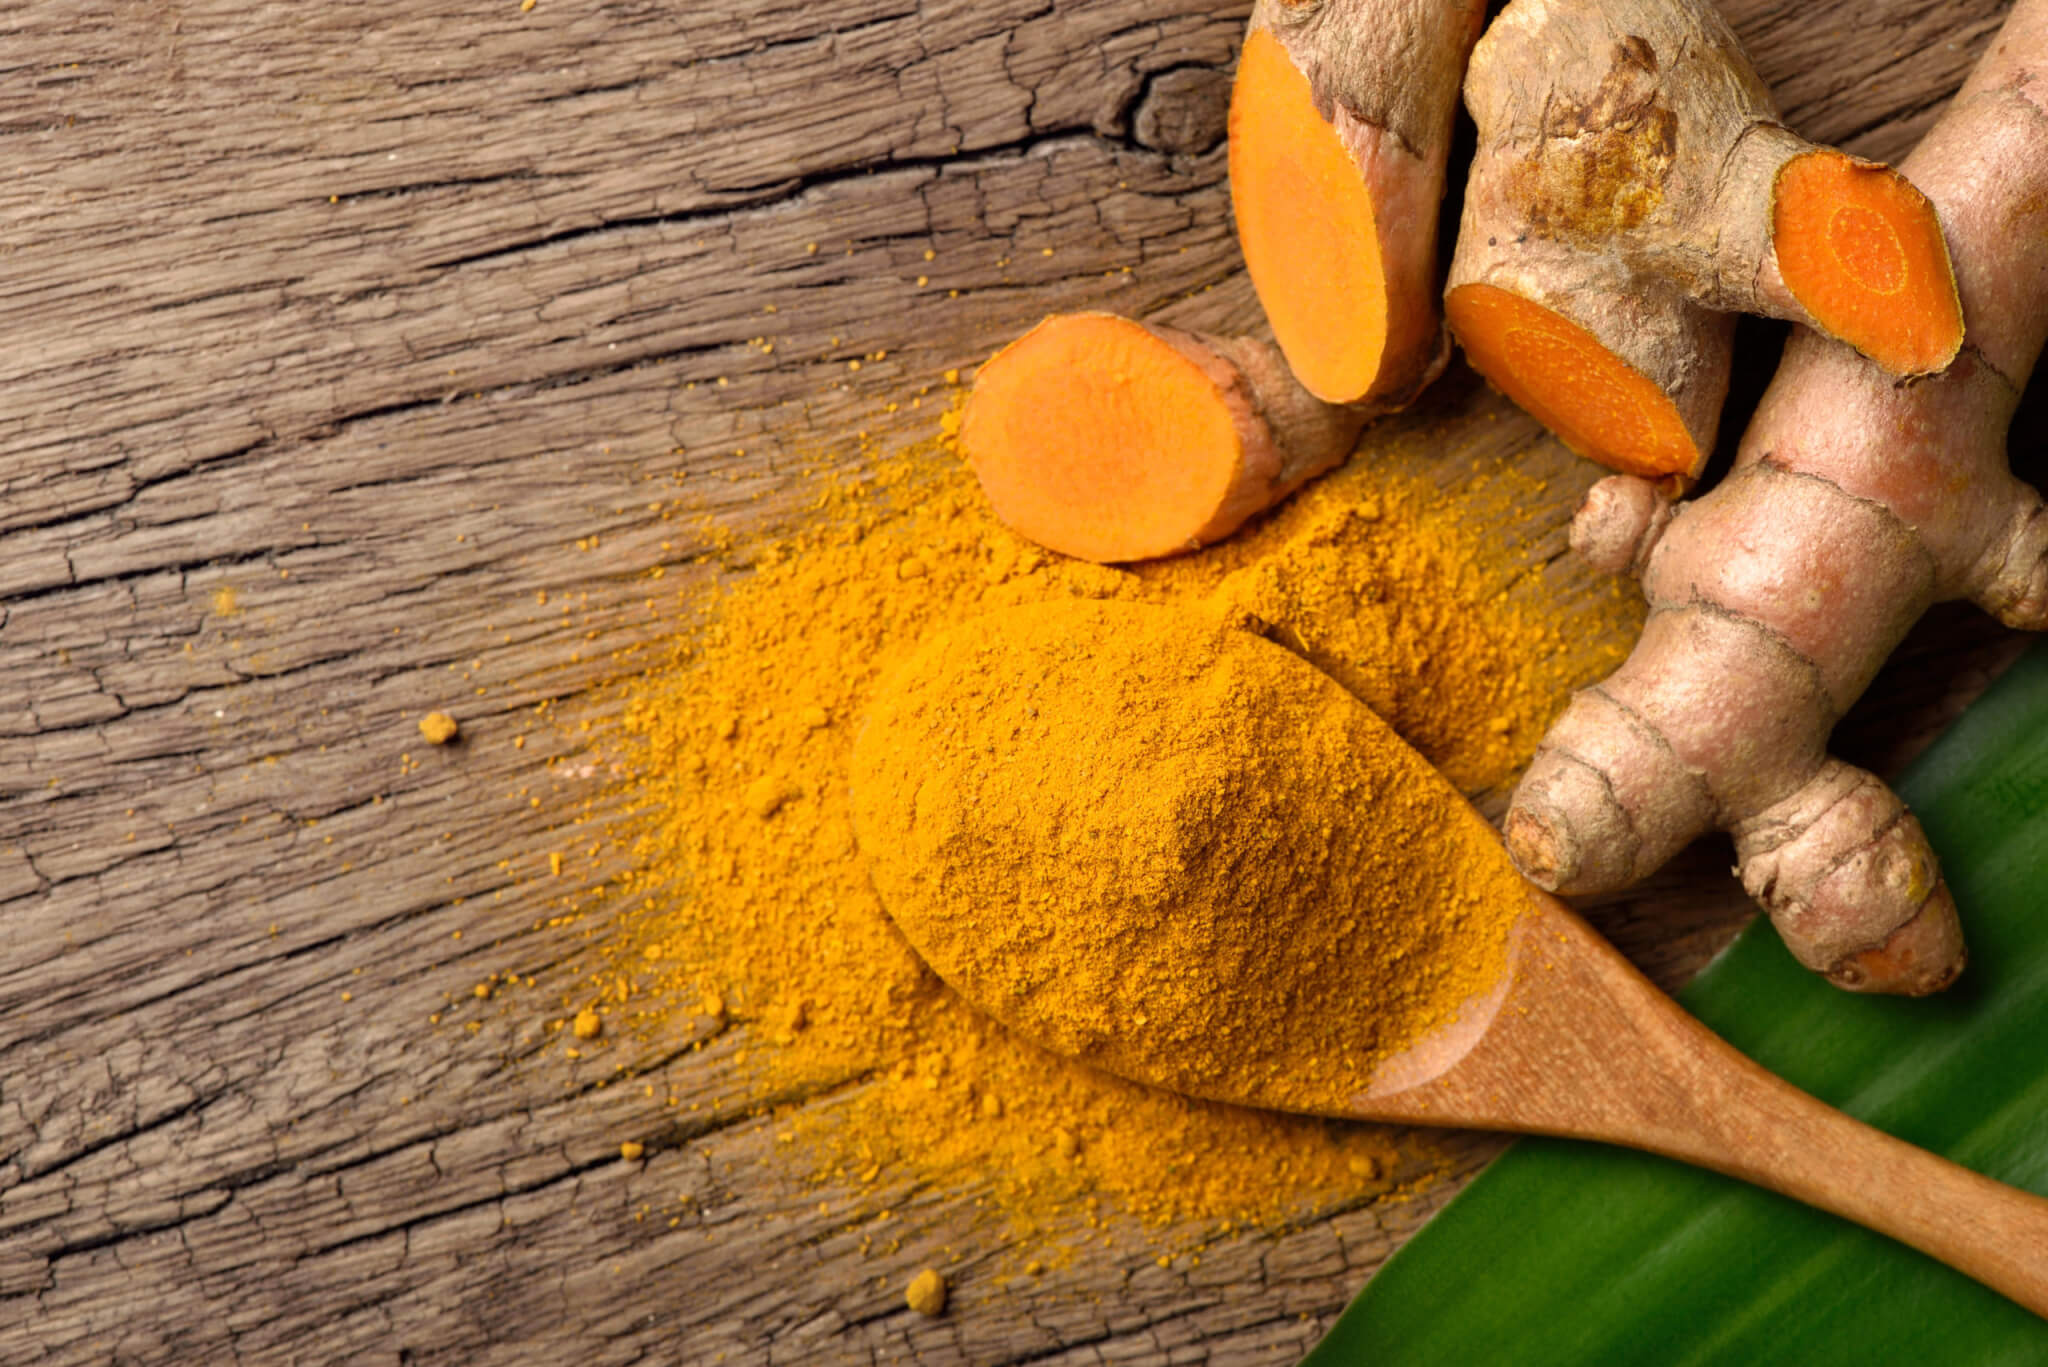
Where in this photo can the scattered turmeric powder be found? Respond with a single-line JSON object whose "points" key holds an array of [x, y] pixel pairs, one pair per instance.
{"points": [[1420, 606]]}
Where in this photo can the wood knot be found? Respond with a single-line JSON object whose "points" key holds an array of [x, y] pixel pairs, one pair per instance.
{"points": [[1183, 112]]}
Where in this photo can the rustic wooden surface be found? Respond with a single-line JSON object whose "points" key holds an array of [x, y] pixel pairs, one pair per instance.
{"points": [[327, 333]]}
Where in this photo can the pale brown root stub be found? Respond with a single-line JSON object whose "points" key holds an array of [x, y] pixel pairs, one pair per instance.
{"points": [[1113, 440], [1855, 503], [1340, 129], [1632, 179]]}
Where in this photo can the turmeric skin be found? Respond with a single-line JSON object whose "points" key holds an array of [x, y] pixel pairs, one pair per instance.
{"points": [[1173, 850]]}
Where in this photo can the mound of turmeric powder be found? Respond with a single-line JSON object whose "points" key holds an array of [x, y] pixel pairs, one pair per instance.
{"points": [[748, 889], [1174, 850]]}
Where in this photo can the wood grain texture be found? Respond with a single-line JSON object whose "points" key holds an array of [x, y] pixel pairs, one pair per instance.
{"points": [[327, 335]]}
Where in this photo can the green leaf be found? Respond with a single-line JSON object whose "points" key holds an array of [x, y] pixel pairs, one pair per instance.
{"points": [[1570, 1253]]}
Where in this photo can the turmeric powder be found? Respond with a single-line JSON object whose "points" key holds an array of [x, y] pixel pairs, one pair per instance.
{"points": [[1174, 850], [1422, 607]]}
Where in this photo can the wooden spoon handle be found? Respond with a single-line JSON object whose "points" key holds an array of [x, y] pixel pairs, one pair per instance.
{"points": [[1767, 1132], [1729, 1114], [1583, 1045]]}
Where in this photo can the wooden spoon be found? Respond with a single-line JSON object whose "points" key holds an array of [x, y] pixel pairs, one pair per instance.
{"points": [[1567, 1039]]}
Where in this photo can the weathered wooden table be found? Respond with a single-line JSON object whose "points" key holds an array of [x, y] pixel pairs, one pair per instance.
{"points": [[326, 334]]}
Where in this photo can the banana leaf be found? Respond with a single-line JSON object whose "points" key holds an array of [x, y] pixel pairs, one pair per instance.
{"points": [[1574, 1253]]}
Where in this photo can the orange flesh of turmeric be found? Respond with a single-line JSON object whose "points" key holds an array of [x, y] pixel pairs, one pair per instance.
{"points": [[1861, 249], [1598, 404], [1066, 429], [1307, 227]]}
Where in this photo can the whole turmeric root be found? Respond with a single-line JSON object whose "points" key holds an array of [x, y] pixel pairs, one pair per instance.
{"points": [[1856, 502], [1632, 187]]}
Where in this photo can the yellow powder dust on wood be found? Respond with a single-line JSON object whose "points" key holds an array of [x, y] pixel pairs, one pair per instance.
{"points": [[1417, 604], [1175, 850]]}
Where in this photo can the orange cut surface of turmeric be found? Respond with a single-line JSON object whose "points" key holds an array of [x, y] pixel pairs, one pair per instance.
{"points": [[1306, 223], [1597, 403], [1862, 250], [1092, 436]]}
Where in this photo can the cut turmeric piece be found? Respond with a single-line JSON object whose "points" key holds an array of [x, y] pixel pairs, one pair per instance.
{"points": [[1596, 402], [1111, 440], [1862, 251], [1306, 224], [1648, 194], [1340, 131]]}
